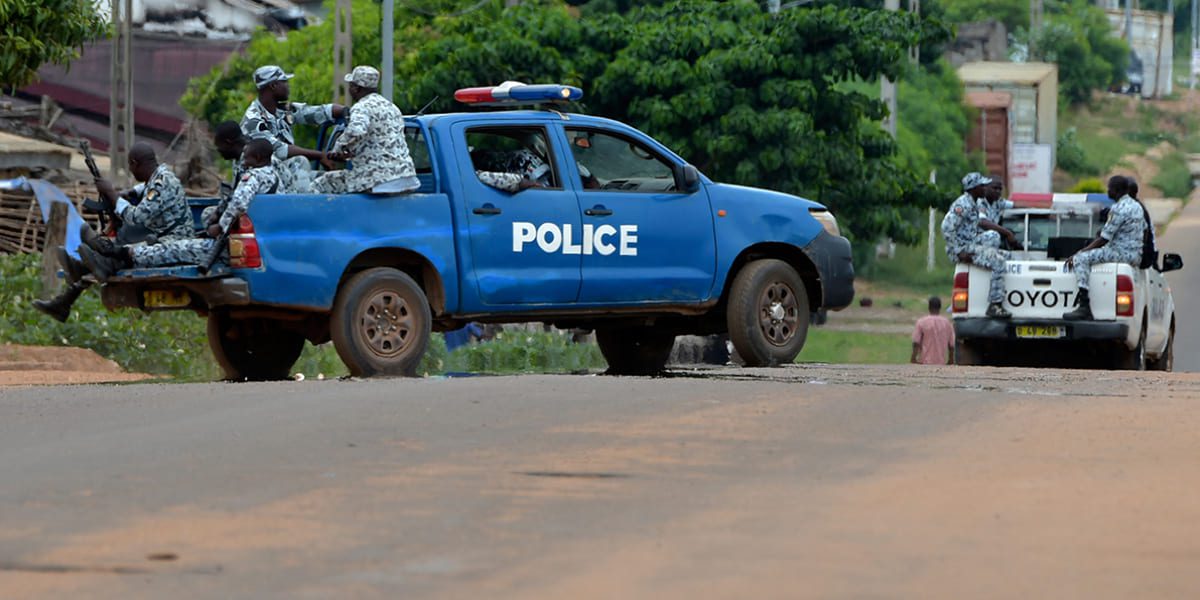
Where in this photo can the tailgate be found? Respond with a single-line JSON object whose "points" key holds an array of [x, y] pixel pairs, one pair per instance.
{"points": [[175, 288], [1039, 289]]}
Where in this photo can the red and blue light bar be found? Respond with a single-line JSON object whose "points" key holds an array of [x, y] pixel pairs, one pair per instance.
{"points": [[1021, 200], [509, 94]]}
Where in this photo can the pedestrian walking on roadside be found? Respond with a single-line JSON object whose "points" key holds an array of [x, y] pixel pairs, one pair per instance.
{"points": [[933, 337]]}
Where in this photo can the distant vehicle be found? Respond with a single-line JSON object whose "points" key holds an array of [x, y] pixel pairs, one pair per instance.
{"points": [[1134, 325], [623, 237]]}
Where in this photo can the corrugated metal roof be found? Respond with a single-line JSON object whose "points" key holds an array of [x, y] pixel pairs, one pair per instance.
{"points": [[1023, 73], [989, 99]]}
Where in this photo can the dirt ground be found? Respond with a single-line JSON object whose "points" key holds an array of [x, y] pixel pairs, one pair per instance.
{"points": [[43, 365]]}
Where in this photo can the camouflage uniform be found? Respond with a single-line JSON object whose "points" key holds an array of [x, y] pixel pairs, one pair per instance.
{"points": [[524, 164], [991, 211], [963, 234], [375, 135], [163, 209], [258, 122], [1124, 231], [288, 184], [262, 180]]}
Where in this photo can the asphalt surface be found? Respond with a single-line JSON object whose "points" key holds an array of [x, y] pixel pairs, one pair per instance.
{"points": [[843, 482], [1183, 237]]}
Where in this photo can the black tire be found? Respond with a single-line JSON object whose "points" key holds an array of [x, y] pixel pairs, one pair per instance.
{"points": [[967, 354], [768, 313], [1166, 362], [1133, 360], [253, 349], [634, 350], [381, 323]]}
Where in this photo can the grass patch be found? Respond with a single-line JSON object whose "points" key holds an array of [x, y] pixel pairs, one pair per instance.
{"points": [[856, 347], [1174, 178], [908, 268]]}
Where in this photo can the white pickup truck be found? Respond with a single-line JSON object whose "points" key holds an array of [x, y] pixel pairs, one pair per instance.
{"points": [[1134, 314]]}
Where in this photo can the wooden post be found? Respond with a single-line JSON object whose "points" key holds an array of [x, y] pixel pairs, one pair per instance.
{"points": [[56, 235]]}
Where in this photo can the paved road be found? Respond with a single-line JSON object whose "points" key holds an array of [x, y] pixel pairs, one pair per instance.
{"points": [[1183, 237], [799, 482]]}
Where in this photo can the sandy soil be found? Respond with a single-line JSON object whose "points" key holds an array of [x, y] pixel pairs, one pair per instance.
{"points": [[43, 365]]}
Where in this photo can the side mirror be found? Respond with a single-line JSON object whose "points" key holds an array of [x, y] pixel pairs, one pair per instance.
{"points": [[687, 179], [1172, 262]]}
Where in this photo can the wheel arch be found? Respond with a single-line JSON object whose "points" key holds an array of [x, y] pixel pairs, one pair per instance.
{"points": [[789, 254], [412, 263]]}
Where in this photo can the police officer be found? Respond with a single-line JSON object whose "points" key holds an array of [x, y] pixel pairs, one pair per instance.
{"points": [[374, 139], [162, 213], [257, 177], [963, 229], [1120, 241], [991, 209], [271, 117]]}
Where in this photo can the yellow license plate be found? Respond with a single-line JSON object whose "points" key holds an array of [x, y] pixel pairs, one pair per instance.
{"points": [[166, 298], [1041, 331]]}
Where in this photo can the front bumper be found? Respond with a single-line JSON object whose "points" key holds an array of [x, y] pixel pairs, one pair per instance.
{"points": [[831, 255], [1005, 329]]}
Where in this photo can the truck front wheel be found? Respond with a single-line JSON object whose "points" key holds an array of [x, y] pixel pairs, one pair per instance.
{"points": [[768, 313], [381, 323], [633, 350], [253, 349]]}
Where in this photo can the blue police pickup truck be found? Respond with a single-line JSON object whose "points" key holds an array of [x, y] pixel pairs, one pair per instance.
{"points": [[622, 236]]}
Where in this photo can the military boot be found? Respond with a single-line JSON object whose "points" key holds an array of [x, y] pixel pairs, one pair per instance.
{"points": [[59, 307], [97, 242], [1082, 312], [102, 266], [996, 310], [74, 268]]}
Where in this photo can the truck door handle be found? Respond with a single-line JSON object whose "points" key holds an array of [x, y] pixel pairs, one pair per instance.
{"points": [[487, 209], [598, 211]]}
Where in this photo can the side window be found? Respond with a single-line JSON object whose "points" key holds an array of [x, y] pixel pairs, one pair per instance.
{"points": [[418, 149], [611, 163], [520, 151]]}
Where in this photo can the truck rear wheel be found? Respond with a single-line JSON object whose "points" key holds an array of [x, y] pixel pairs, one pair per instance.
{"points": [[768, 313], [253, 349], [967, 354], [381, 323], [634, 350], [1133, 360], [1166, 362]]}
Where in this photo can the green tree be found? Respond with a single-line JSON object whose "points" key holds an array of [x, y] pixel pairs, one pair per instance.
{"points": [[1078, 37], [748, 97], [1013, 13], [40, 31]]}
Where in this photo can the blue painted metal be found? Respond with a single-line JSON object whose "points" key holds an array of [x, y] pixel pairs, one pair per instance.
{"points": [[684, 250]]}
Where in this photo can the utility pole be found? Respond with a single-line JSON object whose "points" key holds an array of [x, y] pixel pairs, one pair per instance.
{"points": [[343, 44], [887, 91], [389, 48], [120, 108], [1195, 44], [1036, 14]]}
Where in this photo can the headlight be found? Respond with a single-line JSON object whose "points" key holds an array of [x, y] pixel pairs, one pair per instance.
{"points": [[827, 220]]}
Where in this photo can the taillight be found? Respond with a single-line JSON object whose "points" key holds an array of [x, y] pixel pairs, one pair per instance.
{"points": [[962, 281], [243, 246], [1124, 296]]}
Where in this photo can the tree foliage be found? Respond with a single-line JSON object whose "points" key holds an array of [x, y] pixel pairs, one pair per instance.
{"points": [[1078, 37], [748, 97], [41, 31]]}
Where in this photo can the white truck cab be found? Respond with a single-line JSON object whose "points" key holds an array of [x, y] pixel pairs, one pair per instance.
{"points": [[1133, 325]]}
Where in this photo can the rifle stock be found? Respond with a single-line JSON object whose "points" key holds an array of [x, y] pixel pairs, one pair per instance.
{"points": [[213, 256]]}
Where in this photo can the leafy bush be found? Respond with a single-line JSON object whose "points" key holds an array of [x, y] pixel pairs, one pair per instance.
{"points": [[1090, 185], [166, 343], [1174, 177], [1071, 156], [520, 351]]}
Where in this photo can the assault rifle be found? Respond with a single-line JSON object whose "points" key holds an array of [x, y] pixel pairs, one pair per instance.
{"points": [[222, 240], [99, 207]]}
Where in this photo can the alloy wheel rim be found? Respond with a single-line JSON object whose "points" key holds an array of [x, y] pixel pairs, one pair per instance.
{"points": [[778, 314], [386, 324]]}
